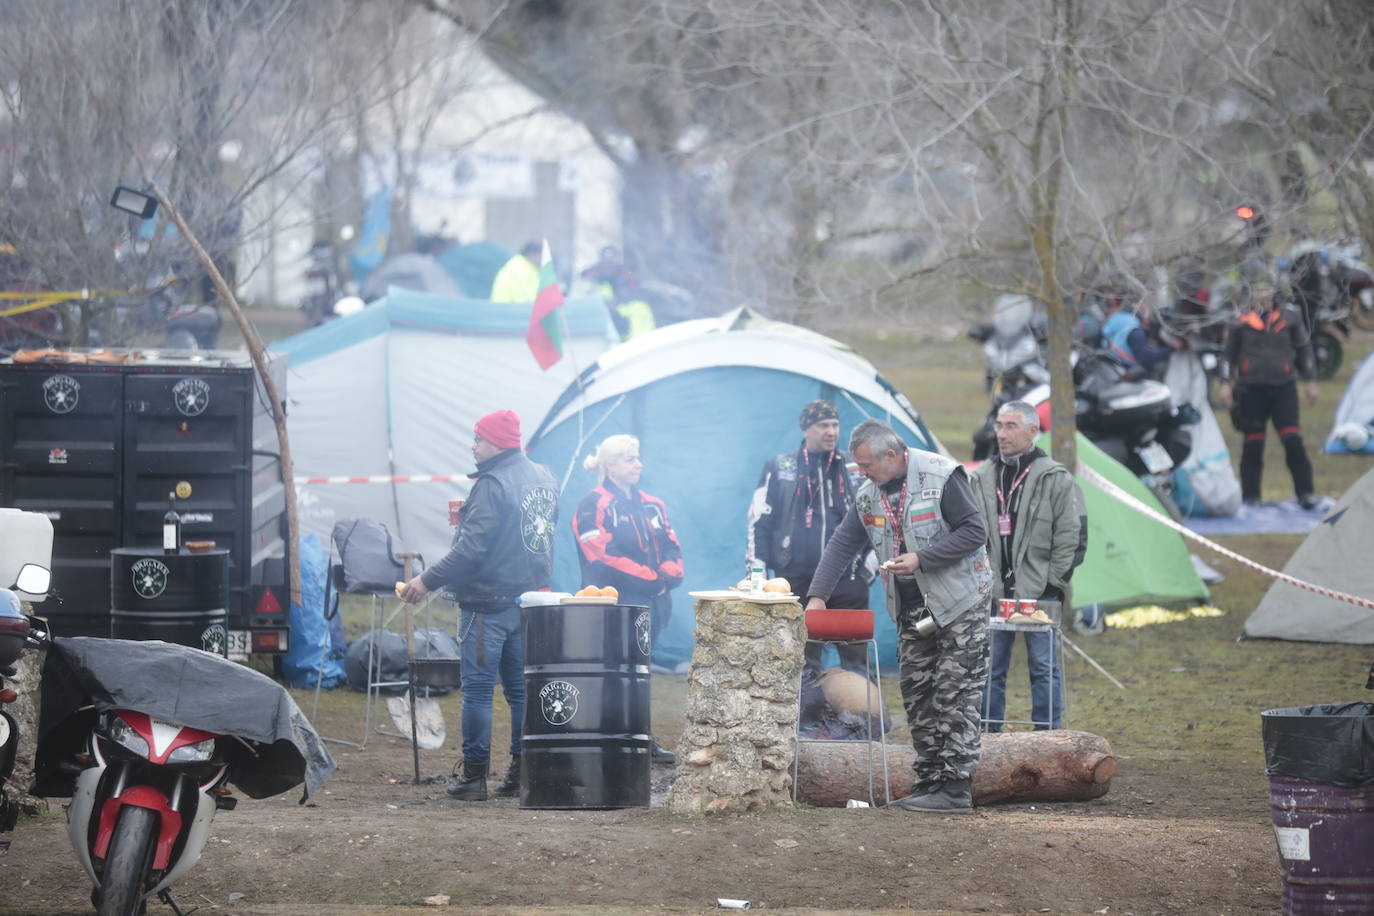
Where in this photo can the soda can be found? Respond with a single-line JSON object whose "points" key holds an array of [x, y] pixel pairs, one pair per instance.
{"points": [[1006, 607], [1026, 606], [455, 506]]}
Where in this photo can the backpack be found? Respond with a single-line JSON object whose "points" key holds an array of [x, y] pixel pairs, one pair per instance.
{"points": [[365, 554]]}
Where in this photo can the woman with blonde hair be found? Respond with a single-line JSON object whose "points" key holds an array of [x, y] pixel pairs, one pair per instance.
{"points": [[625, 540]]}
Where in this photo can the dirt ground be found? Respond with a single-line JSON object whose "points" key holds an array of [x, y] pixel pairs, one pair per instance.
{"points": [[1160, 842]]}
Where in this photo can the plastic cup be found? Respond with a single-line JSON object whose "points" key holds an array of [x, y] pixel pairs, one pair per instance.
{"points": [[1006, 607], [455, 506], [1026, 606]]}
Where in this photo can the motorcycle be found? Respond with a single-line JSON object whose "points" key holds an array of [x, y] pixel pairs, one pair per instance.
{"points": [[1132, 419], [147, 738], [322, 288], [1013, 361], [17, 633], [1335, 289]]}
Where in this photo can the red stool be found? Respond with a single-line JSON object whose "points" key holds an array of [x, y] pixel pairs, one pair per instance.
{"points": [[848, 627]]}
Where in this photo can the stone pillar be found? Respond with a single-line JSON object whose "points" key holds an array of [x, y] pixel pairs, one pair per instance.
{"points": [[736, 750]]}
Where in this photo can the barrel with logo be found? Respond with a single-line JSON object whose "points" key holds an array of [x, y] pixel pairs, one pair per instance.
{"points": [[1320, 763], [585, 742], [176, 597]]}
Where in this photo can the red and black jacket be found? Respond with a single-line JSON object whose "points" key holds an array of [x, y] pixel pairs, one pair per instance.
{"points": [[1269, 349], [625, 540]]}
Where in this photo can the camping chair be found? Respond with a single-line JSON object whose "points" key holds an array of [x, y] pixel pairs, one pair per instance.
{"points": [[367, 565]]}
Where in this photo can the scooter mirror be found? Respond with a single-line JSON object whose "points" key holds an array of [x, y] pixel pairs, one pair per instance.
{"points": [[33, 579]]}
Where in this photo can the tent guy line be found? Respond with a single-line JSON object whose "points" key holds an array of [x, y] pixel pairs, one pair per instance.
{"points": [[382, 478], [1116, 493]]}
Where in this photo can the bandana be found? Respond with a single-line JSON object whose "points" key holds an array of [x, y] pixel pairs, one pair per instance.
{"points": [[817, 411]]}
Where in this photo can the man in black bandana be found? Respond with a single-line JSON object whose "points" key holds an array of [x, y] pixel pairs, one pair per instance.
{"points": [[1037, 532], [801, 497]]}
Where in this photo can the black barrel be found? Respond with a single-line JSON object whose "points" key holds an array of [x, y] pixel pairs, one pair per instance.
{"points": [[178, 597], [585, 742]]}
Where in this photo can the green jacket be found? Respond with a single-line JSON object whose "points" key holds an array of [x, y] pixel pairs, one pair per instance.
{"points": [[1051, 531]]}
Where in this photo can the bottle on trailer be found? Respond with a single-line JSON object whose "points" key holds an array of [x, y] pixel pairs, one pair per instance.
{"points": [[171, 527]]}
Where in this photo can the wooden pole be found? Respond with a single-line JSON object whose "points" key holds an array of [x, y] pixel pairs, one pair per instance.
{"points": [[255, 350]]}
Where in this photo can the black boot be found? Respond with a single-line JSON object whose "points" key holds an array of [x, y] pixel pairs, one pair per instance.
{"points": [[659, 754], [472, 785], [510, 787], [953, 797]]}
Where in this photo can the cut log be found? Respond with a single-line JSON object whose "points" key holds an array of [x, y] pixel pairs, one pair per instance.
{"points": [[1040, 766]]}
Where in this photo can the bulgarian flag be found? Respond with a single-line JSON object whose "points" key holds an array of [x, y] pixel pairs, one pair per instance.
{"points": [[545, 334]]}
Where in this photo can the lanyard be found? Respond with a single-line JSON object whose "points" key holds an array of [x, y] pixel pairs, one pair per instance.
{"points": [[811, 484], [1004, 500], [895, 519]]}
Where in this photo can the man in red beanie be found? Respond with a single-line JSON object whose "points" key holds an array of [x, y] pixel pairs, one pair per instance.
{"points": [[502, 548]]}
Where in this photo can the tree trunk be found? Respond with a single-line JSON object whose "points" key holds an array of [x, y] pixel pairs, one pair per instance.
{"points": [[1039, 766]]}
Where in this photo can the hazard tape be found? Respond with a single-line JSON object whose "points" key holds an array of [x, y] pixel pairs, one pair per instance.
{"points": [[382, 478], [1121, 495]]}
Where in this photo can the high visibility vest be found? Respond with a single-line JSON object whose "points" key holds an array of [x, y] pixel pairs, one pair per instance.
{"points": [[639, 317]]}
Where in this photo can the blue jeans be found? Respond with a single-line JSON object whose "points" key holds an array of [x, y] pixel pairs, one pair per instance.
{"points": [[1038, 661], [493, 644]]}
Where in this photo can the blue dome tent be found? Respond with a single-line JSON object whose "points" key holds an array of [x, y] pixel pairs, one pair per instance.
{"points": [[710, 401]]}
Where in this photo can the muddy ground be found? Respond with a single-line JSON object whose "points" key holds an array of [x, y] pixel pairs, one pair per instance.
{"points": [[1165, 840]]}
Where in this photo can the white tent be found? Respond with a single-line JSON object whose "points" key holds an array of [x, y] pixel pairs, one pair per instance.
{"points": [[1336, 556], [710, 400], [394, 390], [1356, 409]]}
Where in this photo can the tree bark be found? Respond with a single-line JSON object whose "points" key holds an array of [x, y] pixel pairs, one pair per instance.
{"points": [[1015, 767]]}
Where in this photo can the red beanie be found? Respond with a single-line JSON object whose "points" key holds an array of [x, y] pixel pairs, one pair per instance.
{"points": [[501, 429]]}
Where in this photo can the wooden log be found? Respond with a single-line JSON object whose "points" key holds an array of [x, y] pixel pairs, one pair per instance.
{"points": [[1040, 766]]}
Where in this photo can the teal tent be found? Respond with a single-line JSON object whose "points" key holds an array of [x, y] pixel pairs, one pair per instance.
{"points": [[710, 400]]}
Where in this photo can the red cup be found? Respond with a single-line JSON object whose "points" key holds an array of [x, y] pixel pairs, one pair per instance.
{"points": [[1026, 606], [455, 506], [1006, 607]]}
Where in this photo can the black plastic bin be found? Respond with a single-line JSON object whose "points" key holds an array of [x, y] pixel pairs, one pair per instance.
{"points": [[1320, 763], [585, 742], [179, 598]]}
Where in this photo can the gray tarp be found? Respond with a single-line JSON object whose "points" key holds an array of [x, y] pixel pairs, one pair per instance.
{"points": [[182, 685]]}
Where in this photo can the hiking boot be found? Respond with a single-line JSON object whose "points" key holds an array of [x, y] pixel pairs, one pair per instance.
{"points": [[950, 798], [659, 754], [510, 786], [1308, 501], [472, 785]]}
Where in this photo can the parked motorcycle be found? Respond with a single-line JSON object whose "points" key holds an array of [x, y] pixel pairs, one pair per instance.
{"points": [[147, 738], [322, 288], [1334, 288], [17, 633], [1014, 363], [1130, 418]]}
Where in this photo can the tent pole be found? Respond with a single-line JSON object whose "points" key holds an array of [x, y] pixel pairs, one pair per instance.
{"points": [[1090, 661]]}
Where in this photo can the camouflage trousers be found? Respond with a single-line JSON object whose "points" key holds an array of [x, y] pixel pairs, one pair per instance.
{"points": [[942, 678]]}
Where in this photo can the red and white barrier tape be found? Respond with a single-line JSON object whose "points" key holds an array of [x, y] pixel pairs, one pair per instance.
{"points": [[383, 478], [1121, 495]]}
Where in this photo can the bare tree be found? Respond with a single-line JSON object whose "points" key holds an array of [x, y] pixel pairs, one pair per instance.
{"points": [[208, 100]]}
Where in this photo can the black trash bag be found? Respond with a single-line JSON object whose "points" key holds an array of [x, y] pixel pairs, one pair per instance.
{"points": [[1332, 743], [365, 553], [388, 665]]}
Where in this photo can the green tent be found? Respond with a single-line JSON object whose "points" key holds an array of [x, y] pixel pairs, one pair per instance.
{"points": [[1131, 558]]}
